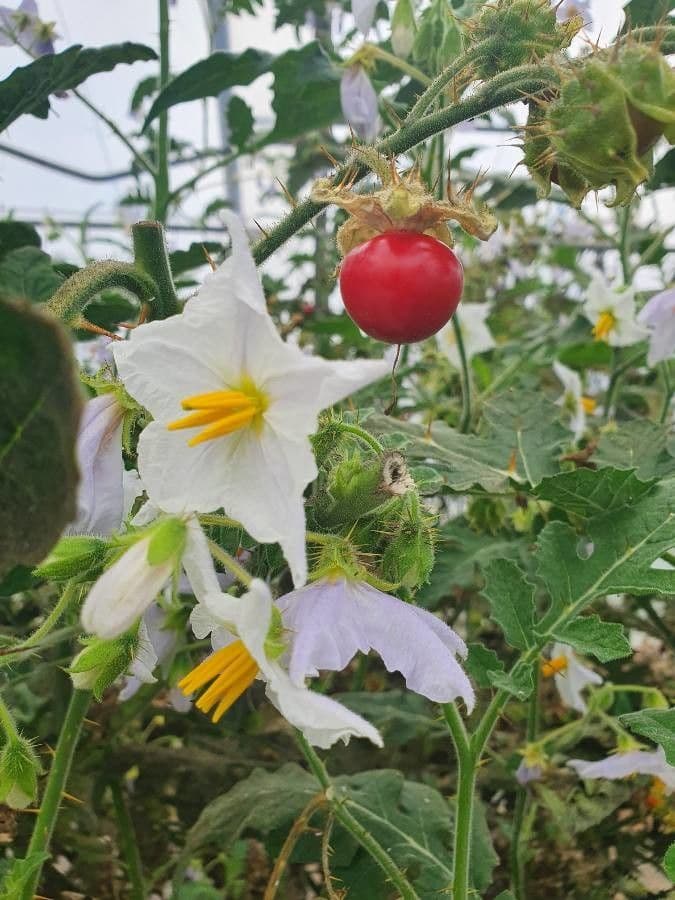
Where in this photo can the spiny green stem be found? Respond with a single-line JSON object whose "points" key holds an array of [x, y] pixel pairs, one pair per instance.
{"points": [[56, 782], [230, 564], [353, 826], [618, 370], [126, 835], [152, 257], [217, 519], [466, 782], [403, 66], [71, 299], [68, 596], [465, 419], [667, 391], [441, 82], [162, 173]]}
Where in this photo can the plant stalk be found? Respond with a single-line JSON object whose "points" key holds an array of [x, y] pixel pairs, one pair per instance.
{"points": [[162, 171]]}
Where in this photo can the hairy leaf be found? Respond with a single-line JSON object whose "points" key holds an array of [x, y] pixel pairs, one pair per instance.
{"points": [[593, 637], [511, 599], [639, 445], [588, 492], [480, 662], [520, 682], [38, 430], [28, 88], [27, 274]]}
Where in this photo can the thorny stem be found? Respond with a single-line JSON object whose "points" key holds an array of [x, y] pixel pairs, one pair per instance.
{"points": [[128, 843], [353, 826], [378, 53], [325, 858], [292, 838], [440, 83], [230, 564], [7, 722], [523, 801], [162, 172], [465, 419], [56, 782], [467, 764]]}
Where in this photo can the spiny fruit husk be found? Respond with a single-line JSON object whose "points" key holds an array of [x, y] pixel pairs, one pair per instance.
{"points": [[403, 203], [601, 128], [510, 33]]}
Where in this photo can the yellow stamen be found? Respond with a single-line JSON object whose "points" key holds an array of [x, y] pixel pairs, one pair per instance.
{"points": [[588, 404], [604, 326], [231, 669], [554, 666], [221, 411]]}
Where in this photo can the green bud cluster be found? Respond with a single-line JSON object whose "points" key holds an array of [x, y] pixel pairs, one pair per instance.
{"points": [[101, 662], [408, 557], [486, 515], [19, 770], [74, 557], [600, 127], [511, 33]]}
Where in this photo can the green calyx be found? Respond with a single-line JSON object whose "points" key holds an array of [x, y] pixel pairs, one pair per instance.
{"points": [[511, 33], [167, 541], [600, 128], [275, 645], [19, 770], [486, 515], [101, 662], [74, 557]]}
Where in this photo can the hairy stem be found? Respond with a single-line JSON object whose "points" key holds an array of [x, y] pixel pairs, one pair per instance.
{"points": [[523, 802], [465, 419], [466, 782], [56, 782], [367, 438], [353, 826], [152, 257], [292, 838], [230, 564]]}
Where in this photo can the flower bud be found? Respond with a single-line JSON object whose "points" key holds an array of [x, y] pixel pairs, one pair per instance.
{"points": [[409, 556], [101, 662], [403, 28], [359, 102], [19, 770], [73, 556]]}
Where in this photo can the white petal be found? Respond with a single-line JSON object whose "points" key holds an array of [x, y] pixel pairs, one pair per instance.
{"points": [[359, 102], [123, 592], [198, 562], [100, 496], [569, 379], [619, 765], [145, 658], [364, 13]]}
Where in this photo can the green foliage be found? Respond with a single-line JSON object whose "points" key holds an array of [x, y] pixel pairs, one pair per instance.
{"points": [[511, 599], [588, 493], [656, 724], [18, 873], [28, 88], [593, 637], [480, 662], [669, 862], [27, 274], [38, 429]]}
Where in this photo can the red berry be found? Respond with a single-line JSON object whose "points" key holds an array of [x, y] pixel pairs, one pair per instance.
{"points": [[401, 286]]}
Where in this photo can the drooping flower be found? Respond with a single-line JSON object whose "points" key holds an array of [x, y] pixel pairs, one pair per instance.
{"points": [[532, 765], [476, 335], [156, 646], [100, 494], [658, 315], [571, 677], [332, 619], [251, 402], [124, 591], [621, 765], [24, 27], [612, 313], [573, 401], [359, 102], [255, 652], [364, 14]]}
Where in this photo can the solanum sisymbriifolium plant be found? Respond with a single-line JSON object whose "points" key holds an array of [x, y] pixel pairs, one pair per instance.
{"points": [[337, 545]]}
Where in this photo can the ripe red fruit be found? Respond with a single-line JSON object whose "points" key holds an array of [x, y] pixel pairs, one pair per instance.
{"points": [[401, 286]]}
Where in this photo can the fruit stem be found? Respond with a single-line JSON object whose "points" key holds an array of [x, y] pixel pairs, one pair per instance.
{"points": [[466, 377]]}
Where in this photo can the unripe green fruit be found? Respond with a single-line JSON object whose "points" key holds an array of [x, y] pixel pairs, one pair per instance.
{"points": [[514, 33]]}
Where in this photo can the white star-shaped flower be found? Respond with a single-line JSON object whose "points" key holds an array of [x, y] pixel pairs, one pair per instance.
{"points": [[612, 313], [571, 677], [573, 400], [252, 402], [621, 765], [254, 653], [658, 314], [476, 335]]}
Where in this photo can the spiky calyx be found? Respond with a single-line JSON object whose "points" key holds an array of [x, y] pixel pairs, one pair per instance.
{"points": [[403, 203], [510, 33], [601, 128]]}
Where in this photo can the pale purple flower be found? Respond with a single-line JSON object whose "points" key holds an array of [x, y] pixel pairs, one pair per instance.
{"points": [[621, 765], [24, 27], [364, 14], [332, 620], [526, 773], [359, 102], [658, 315], [100, 495]]}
